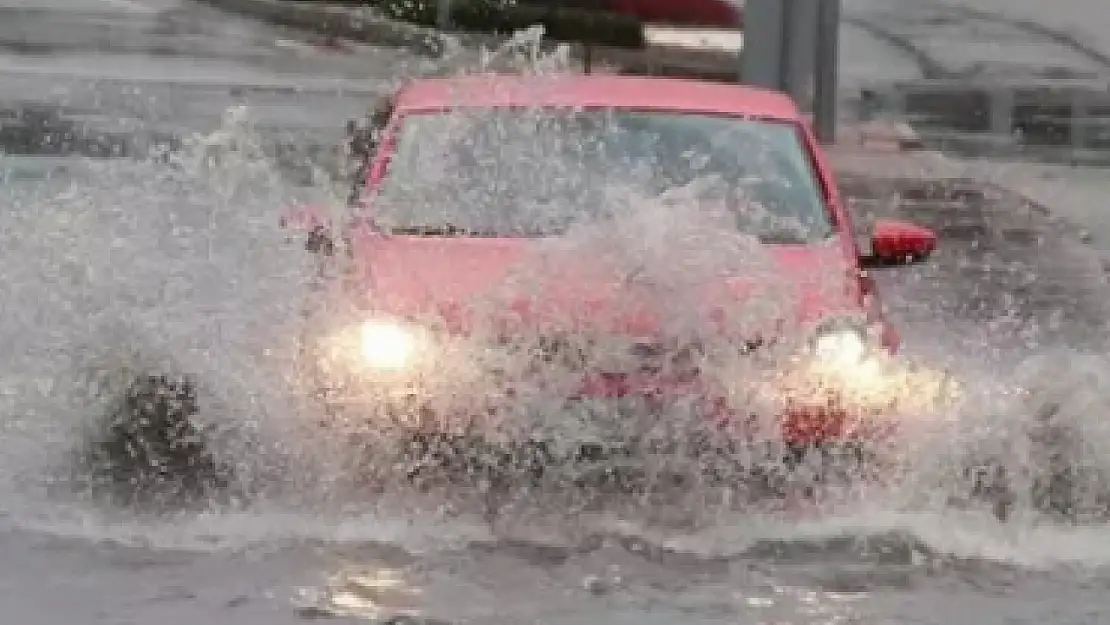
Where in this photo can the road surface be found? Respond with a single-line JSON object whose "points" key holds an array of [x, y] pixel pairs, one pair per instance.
{"points": [[121, 260], [1016, 38]]}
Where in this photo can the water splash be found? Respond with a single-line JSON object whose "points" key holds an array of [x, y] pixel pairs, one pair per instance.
{"points": [[177, 264]]}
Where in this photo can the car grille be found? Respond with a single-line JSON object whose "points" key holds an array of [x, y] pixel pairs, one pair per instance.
{"points": [[620, 356]]}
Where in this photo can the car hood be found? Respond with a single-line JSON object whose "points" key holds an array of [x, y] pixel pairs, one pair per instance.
{"points": [[532, 281]]}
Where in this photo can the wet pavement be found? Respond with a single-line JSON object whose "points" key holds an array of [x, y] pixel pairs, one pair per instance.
{"points": [[1003, 258], [118, 77]]}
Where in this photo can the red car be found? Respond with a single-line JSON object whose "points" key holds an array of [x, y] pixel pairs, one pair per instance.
{"points": [[483, 279]]}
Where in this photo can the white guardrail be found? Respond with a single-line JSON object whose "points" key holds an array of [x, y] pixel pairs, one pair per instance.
{"points": [[1065, 120]]}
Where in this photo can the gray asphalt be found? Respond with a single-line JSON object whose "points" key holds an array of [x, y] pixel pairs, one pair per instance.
{"points": [[109, 78], [987, 38]]}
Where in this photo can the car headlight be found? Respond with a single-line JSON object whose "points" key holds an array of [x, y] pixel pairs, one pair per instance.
{"points": [[388, 345], [842, 343]]}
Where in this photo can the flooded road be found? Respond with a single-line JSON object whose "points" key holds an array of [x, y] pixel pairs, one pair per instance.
{"points": [[114, 78], [181, 255]]}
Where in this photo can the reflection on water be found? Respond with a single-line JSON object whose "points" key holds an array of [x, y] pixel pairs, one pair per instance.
{"points": [[381, 594], [615, 578]]}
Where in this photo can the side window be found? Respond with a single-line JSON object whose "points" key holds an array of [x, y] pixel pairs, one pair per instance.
{"points": [[362, 142]]}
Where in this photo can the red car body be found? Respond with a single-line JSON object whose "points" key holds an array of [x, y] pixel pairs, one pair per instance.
{"points": [[404, 276]]}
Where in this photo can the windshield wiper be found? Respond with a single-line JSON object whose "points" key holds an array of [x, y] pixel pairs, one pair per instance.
{"points": [[444, 230], [782, 237]]}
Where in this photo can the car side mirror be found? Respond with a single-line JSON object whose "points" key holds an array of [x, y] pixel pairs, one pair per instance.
{"points": [[895, 242]]}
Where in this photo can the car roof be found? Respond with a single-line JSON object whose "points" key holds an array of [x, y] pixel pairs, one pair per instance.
{"points": [[594, 91]]}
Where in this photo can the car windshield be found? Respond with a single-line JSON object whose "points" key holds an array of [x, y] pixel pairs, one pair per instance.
{"points": [[527, 172]]}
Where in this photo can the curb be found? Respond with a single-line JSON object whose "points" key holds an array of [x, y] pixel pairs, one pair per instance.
{"points": [[881, 136]]}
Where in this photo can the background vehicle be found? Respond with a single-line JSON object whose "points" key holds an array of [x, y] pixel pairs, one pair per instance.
{"points": [[714, 13]]}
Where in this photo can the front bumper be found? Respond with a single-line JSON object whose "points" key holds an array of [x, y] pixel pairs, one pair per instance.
{"points": [[543, 413], [867, 402], [534, 393]]}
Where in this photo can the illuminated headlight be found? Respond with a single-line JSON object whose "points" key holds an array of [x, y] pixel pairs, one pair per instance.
{"points": [[842, 344], [388, 345]]}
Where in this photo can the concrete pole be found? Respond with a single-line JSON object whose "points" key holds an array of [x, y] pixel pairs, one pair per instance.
{"points": [[802, 24], [443, 15], [793, 46], [827, 70], [764, 57]]}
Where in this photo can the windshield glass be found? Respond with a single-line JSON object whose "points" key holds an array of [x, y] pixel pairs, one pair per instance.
{"points": [[520, 172]]}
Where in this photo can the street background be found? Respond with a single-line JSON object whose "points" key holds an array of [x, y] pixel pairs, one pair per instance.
{"points": [[86, 247]]}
